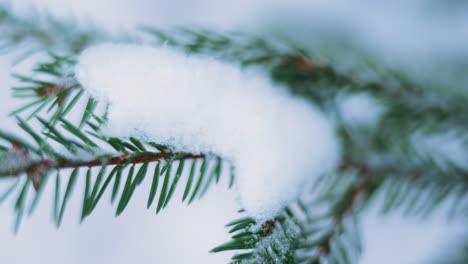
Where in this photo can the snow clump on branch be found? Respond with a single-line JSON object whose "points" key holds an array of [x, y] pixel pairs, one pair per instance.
{"points": [[279, 143]]}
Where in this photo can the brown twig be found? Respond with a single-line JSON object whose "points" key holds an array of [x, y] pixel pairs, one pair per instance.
{"points": [[40, 167], [126, 158]]}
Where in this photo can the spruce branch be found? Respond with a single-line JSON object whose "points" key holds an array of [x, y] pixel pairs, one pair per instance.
{"points": [[58, 145], [63, 163], [315, 230], [333, 235], [416, 190], [39, 160], [39, 170], [45, 32]]}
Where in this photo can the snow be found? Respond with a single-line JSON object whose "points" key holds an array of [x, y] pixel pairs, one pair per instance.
{"points": [[277, 142], [140, 235], [360, 109]]}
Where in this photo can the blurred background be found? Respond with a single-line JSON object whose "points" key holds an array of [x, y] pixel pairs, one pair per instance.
{"points": [[422, 37]]}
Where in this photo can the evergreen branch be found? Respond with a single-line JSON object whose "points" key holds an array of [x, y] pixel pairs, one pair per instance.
{"points": [[45, 33], [414, 190], [294, 66], [125, 158], [38, 162], [304, 73], [333, 236], [58, 90], [299, 234], [38, 172], [299, 70]]}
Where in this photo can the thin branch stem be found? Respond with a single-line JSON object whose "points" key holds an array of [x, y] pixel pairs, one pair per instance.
{"points": [[42, 165], [125, 158]]}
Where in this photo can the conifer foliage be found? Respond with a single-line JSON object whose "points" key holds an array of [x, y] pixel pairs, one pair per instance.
{"points": [[62, 137]]}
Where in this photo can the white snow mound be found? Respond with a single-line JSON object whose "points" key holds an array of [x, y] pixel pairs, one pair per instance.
{"points": [[278, 142]]}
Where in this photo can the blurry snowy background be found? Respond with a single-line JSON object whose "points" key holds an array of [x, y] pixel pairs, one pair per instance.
{"points": [[422, 36]]}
